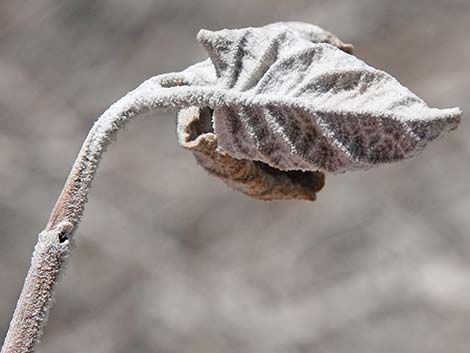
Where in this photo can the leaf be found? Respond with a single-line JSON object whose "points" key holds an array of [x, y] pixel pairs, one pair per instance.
{"points": [[283, 100], [253, 178]]}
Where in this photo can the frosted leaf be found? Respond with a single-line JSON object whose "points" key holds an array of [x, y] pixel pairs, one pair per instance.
{"points": [[283, 100], [255, 179]]}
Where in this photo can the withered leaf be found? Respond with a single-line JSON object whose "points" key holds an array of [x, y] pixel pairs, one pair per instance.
{"points": [[253, 178], [256, 179]]}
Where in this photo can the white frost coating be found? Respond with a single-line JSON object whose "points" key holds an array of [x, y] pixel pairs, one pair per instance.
{"points": [[296, 104], [36, 297], [159, 92]]}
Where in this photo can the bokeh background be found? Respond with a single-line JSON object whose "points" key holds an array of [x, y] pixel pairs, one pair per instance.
{"points": [[168, 259]]}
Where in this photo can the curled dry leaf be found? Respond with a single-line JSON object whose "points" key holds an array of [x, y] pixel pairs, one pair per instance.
{"points": [[253, 178], [289, 97]]}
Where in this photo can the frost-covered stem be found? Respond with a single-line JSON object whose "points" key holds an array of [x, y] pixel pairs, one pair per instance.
{"points": [[149, 96], [36, 297], [53, 246]]}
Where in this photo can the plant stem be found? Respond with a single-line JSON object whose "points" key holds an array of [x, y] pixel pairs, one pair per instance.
{"points": [[54, 243], [33, 305]]}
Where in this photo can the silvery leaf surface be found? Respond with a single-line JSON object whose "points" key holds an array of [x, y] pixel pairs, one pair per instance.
{"points": [[310, 33], [282, 99], [253, 178]]}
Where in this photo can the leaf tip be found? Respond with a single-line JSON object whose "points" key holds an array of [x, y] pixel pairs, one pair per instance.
{"points": [[213, 39], [203, 35]]}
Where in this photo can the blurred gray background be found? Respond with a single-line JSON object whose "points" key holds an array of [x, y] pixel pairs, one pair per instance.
{"points": [[168, 259]]}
